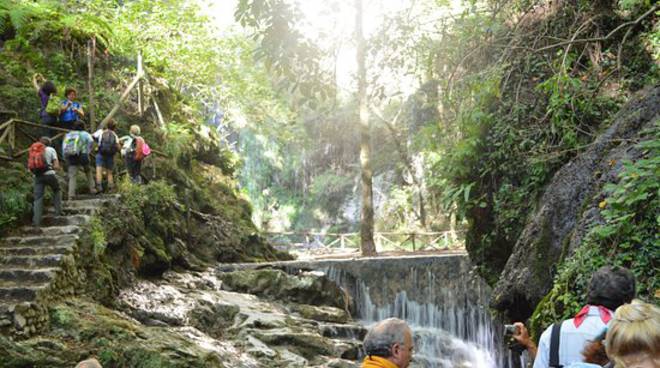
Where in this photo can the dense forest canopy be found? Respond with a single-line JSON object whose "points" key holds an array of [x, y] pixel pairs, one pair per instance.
{"points": [[473, 106]]}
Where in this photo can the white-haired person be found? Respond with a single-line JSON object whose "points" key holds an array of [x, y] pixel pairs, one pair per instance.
{"points": [[134, 150], [388, 344]]}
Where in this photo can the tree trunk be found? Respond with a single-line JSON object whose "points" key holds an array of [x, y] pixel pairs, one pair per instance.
{"points": [[367, 215], [91, 50]]}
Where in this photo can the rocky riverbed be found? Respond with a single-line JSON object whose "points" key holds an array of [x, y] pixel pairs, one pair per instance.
{"points": [[194, 319]]}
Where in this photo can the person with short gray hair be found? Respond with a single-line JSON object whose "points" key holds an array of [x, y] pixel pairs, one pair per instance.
{"points": [[89, 363], [388, 344]]}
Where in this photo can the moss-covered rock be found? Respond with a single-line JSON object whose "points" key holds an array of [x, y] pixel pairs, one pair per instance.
{"points": [[306, 288], [80, 329]]}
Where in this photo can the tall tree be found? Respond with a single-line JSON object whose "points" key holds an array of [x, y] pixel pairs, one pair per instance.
{"points": [[367, 213]]}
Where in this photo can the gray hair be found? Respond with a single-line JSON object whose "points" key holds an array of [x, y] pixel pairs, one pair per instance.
{"points": [[383, 335], [89, 363]]}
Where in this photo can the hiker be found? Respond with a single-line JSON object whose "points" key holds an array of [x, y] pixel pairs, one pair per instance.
{"points": [[134, 150], [388, 344], [633, 336], [89, 363], [47, 95], [562, 343], [76, 148], [70, 110], [108, 143], [42, 161]]}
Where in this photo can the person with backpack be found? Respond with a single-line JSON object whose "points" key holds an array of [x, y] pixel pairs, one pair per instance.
{"points": [[76, 148], [42, 162], [108, 144], [562, 343], [134, 150], [49, 106], [70, 110]]}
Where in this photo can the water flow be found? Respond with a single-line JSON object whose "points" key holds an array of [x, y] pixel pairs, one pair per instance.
{"points": [[451, 328]]}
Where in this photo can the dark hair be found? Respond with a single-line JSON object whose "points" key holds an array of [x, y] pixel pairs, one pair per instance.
{"points": [[611, 287], [48, 88], [69, 90], [111, 124], [79, 125]]}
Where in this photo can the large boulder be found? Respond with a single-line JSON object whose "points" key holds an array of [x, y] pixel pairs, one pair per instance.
{"points": [[568, 208], [305, 288]]}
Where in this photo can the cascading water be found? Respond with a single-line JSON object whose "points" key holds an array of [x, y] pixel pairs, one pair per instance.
{"points": [[449, 318]]}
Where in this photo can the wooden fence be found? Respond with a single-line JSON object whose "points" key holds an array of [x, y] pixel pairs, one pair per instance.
{"points": [[385, 241]]}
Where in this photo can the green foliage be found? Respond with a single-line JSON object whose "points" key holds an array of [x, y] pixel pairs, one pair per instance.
{"points": [[15, 198], [627, 237], [97, 237]]}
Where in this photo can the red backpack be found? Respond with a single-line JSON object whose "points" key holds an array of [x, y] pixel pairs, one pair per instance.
{"points": [[37, 159], [138, 148]]}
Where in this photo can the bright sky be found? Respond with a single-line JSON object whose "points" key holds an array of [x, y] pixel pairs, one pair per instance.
{"points": [[325, 22]]}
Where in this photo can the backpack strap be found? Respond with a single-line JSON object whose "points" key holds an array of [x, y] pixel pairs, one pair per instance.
{"points": [[554, 346]]}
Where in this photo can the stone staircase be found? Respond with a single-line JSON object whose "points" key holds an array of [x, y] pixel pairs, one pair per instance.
{"points": [[38, 265]]}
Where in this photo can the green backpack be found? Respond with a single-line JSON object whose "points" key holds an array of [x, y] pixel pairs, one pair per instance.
{"points": [[52, 107]]}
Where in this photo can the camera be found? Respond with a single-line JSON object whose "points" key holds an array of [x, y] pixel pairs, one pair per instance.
{"points": [[513, 344]]}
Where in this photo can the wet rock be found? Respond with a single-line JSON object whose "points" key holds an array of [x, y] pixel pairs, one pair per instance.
{"points": [[314, 289], [306, 344], [320, 313], [343, 331], [212, 318], [258, 349]]}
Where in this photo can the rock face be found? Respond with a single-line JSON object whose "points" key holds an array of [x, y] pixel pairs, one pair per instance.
{"points": [[569, 207]]}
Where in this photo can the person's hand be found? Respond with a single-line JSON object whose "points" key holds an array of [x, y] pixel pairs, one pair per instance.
{"points": [[522, 335]]}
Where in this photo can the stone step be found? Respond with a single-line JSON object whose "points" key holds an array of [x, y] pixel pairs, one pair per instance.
{"points": [[51, 230], [75, 210], [25, 275], [34, 250], [39, 240], [77, 219], [86, 203], [40, 261], [20, 293]]}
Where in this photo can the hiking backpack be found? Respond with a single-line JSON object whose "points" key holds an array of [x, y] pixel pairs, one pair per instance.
{"points": [[137, 146], [72, 144], [52, 106], [108, 143], [37, 158]]}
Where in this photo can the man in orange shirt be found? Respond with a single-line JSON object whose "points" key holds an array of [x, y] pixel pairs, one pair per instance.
{"points": [[388, 344]]}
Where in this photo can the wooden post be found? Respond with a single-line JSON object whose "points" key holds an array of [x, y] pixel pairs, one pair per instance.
{"points": [[123, 97], [446, 240], [342, 241], [12, 138], [161, 121], [140, 90], [91, 50], [412, 237]]}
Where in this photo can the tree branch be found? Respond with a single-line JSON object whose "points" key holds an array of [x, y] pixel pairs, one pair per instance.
{"points": [[595, 39]]}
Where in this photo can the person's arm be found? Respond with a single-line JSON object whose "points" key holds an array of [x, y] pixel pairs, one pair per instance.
{"points": [[80, 111], [56, 163], [522, 337], [65, 106], [35, 81]]}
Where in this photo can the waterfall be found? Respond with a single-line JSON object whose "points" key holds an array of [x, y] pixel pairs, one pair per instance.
{"points": [[449, 318]]}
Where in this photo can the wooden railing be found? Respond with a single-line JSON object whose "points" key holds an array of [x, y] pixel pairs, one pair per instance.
{"points": [[13, 127], [385, 241]]}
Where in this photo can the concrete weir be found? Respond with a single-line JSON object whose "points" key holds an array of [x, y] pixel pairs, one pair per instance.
{"points": [[440, 296]]}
